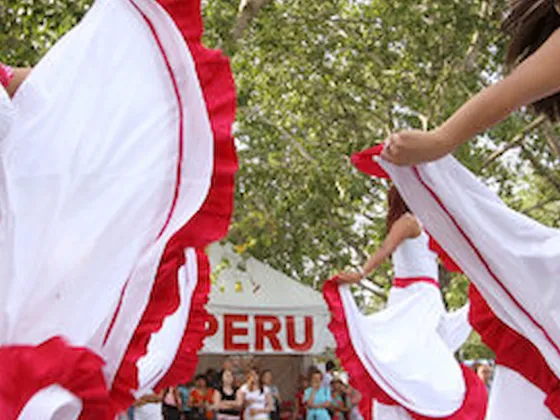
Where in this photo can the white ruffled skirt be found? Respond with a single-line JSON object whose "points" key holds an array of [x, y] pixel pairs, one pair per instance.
{"points": [[117, 171], [513, 263], [403, 356]]}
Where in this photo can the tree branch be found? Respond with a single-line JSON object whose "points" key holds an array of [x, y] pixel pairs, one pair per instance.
{"points": [[540, 205], [517, 140], [540, 169], [248, 10], [552, 139]]}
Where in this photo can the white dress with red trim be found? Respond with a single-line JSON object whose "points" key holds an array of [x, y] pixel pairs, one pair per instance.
{"points": [[513, 263], [402, 357], [118, 170], [7, 114]]}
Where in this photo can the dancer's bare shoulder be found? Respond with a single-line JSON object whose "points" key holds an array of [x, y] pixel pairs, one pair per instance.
{"points": [[408, 226]]}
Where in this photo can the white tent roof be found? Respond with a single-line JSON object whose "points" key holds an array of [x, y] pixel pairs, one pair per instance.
{"points": [[277, 292], [259, 310]]}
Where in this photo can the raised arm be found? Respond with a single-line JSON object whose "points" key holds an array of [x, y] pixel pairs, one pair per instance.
{"points": [[535, 78], [405, 227]]}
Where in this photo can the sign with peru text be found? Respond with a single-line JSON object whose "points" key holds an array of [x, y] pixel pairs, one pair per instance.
{"points": [[266, 333]]}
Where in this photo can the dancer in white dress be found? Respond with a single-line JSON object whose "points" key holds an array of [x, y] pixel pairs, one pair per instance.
{"points": [[402, 357], [512, 261], [116, 171]]}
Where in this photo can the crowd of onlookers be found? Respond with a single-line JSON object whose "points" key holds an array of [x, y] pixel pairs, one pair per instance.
{"points": [[326, 396], [222, 395]]}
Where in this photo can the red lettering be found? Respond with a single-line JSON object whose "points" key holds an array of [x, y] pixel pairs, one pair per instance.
{"points": [[271, 333], [231, 331], [211, 326], [308, 341]]}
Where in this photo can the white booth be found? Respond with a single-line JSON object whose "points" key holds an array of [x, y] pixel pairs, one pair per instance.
{"points": [[261, 313]]}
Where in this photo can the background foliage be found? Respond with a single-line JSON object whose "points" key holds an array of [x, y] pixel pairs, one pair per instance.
{"points": [[318, 80]]}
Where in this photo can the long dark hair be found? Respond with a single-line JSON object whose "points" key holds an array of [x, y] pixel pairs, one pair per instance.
{"points": [[397, 207], [259, 378], [530, 23]]}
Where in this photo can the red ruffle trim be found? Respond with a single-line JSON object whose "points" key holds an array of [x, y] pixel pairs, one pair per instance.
{"points": [[445, 259], [209, 224], [474, 404], [186, 359], [6, 75], [364, 162], [513, 350], [25, 370]]}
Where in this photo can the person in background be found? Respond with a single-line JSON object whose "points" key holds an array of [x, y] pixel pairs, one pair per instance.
{"points": [[201, 399], [457, 206], [256, 398], [227, 401], [339, 405], [185, 392], [130, 413], [213, 378], [317, 398], [267, 379], [148, 407], [329, 371], [227, 365], [171, 404], [300, 409], [353, 397], [485, 373]]}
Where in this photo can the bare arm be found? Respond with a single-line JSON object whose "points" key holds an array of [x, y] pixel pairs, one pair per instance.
{"points": [[217, 402], [177, 396], [269, 406], [295, 413], [269, 403], [406, 227], [19, 76], [239, 397], [535, 78], [191, 402], [146, 399]]}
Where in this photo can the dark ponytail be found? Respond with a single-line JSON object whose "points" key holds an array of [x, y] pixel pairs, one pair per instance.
{"points": [[397, 208], [530, 23]]}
